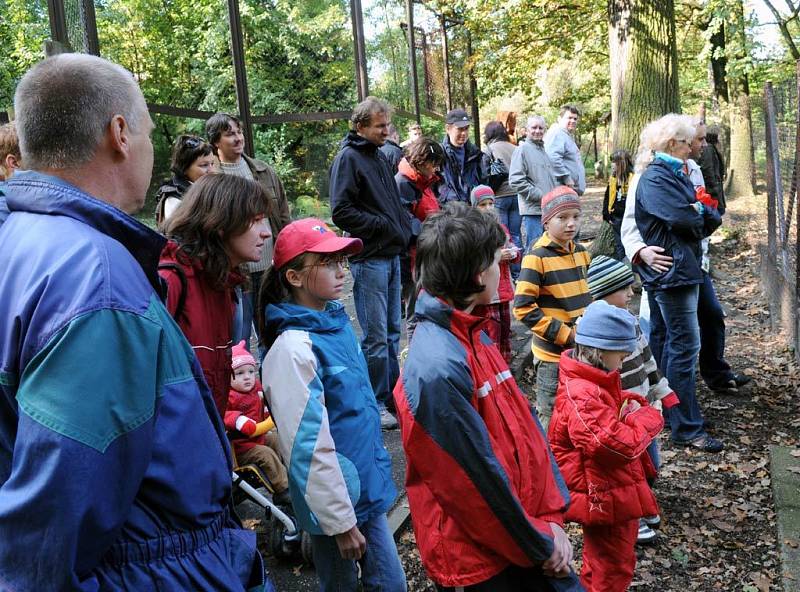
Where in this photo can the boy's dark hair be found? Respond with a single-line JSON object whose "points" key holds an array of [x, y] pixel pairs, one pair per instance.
{"points": [[186, 150], [218, 124], [455, 245], [569, 107]]}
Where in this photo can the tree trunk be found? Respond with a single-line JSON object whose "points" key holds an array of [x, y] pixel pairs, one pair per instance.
{"points": [[741, 171], [644, 77], [644, 66]]}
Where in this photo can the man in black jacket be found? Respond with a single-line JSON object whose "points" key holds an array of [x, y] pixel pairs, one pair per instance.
{"points": [[366, 204]]}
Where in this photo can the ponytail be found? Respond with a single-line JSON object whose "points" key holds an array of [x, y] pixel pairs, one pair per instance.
{"points": [[274, 289]]}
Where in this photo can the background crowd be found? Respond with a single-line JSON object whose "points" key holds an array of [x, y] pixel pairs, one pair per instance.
{"points": [[452, 237]]}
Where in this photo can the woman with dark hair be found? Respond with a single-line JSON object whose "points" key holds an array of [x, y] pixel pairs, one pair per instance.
{"points": [[617, 195], [192, 158], [220, 224], [499, 147], [415, 178]]}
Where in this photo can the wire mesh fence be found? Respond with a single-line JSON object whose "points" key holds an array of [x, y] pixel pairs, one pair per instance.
{"points": [[780, 261]]}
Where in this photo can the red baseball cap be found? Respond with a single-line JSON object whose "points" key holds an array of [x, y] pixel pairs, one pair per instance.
{"points": [[310, 235]]}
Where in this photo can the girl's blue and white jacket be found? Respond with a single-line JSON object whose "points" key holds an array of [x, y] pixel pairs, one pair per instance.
{"points": [[318, 390]]}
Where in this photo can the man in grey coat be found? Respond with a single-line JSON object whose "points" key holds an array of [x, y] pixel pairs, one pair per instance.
{"points": [[531, 176], [559, 142]]}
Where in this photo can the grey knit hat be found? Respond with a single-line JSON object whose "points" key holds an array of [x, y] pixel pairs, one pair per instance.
{"points": [[607, 275], [607, 327]]}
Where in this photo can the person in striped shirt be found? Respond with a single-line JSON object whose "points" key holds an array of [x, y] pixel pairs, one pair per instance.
{"points": [[552, 291], [611, 281]]}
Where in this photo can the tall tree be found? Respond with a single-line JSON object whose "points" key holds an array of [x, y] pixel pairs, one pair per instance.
{"points": [[644, 76], [741, 171], [644, 66]]}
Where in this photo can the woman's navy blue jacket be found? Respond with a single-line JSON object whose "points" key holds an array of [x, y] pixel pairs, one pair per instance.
{"points": [[666, 217]]}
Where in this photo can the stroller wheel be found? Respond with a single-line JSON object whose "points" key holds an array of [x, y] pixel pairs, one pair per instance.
{"points": [[276, 542], [306, 549]]}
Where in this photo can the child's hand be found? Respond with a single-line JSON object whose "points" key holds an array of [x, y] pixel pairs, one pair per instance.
{"points": [[352, 544], [628, 407], [508, 254], [557, 565]]}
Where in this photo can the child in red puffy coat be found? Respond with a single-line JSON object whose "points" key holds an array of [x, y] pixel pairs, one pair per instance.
{"points": [[599, 434], [246, 414]]}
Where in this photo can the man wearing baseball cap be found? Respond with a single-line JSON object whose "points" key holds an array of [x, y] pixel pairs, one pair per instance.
{"points": [[462, 168]]}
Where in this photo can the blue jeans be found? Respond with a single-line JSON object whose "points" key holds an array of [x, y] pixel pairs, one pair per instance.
{"points": [[675, 342], [713, 367], [381, 569], [376, 293], [533, 229], [507, 209]]}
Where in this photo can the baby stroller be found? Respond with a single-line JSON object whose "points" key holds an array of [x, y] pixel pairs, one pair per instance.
{"points": [[285, 539]]}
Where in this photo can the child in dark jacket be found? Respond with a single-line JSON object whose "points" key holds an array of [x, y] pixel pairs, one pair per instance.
{"points": [[247, 415], [599, 434]]}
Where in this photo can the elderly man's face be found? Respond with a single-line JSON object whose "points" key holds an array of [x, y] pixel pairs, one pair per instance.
{"points": [[458, 136], [568, 121], [536, 130], [698, 143]]}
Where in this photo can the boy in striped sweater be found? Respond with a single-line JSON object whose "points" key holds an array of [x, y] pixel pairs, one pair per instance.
{"points": [[611, 281], [552, 291]]}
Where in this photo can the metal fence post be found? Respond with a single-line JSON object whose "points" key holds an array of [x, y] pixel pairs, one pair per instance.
{"points": [[448, 100], [473, 92], [58, 21], [412, 57], [91, 43], [240, 71], [772, 173], [362, 79]]}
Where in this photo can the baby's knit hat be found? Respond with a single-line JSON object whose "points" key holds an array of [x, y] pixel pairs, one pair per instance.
{"points": [[241, 357], [607, 327], [558, 199], [607, 275], [479, 194]]}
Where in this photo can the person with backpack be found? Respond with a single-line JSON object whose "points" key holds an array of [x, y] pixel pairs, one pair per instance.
{"points": [[221, 223], [192, 158]]}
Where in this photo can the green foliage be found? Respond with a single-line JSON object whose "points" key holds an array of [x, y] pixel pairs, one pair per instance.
{"points": [[23, 31]]}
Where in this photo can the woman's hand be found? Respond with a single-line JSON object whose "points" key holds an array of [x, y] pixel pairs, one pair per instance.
{"points": [[557, 565], [653, 256], [352, 544]]}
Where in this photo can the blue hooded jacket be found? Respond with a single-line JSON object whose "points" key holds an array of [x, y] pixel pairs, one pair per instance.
{"points": [[666, 218], [115, 472], [317, 386]]}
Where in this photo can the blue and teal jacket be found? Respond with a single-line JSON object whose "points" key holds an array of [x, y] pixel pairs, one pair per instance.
{"points": [[115, 473], [317, 387]]}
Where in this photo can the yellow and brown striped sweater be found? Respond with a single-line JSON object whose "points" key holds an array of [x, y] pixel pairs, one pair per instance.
{"points": [[551, 294]]}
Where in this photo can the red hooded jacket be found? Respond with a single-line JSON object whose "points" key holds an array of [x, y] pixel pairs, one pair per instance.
{"points": [[600, 455], [206, 318], [251, 405]]}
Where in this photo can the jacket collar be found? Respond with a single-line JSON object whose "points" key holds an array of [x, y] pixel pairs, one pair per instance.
{"points": [[460, 323], [413, 175], [255, 165], [287, 315], [569, 367], [470, 151], [37, 193], [675, 164], [548, 243], [360, 143]]}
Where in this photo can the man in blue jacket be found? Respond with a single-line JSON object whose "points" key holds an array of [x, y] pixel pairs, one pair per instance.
{"points": [[463, 169], [114, 468], [365, 202]]}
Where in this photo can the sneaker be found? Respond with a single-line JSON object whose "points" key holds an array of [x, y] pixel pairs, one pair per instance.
{"points": [[647, 535], [388, 421], [704, 443], [652, 521]]}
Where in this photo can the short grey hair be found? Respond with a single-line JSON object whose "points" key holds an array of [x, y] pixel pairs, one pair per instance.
{"points": [[533, 118], [63, 107], [363, 112]]}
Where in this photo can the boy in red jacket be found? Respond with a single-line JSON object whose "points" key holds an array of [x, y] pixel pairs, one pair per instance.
{"points": [[599, 434], [246, 414], [487, 501]]}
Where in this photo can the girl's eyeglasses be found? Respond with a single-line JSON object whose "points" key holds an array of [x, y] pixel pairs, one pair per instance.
{"points": [[332, 262]]}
